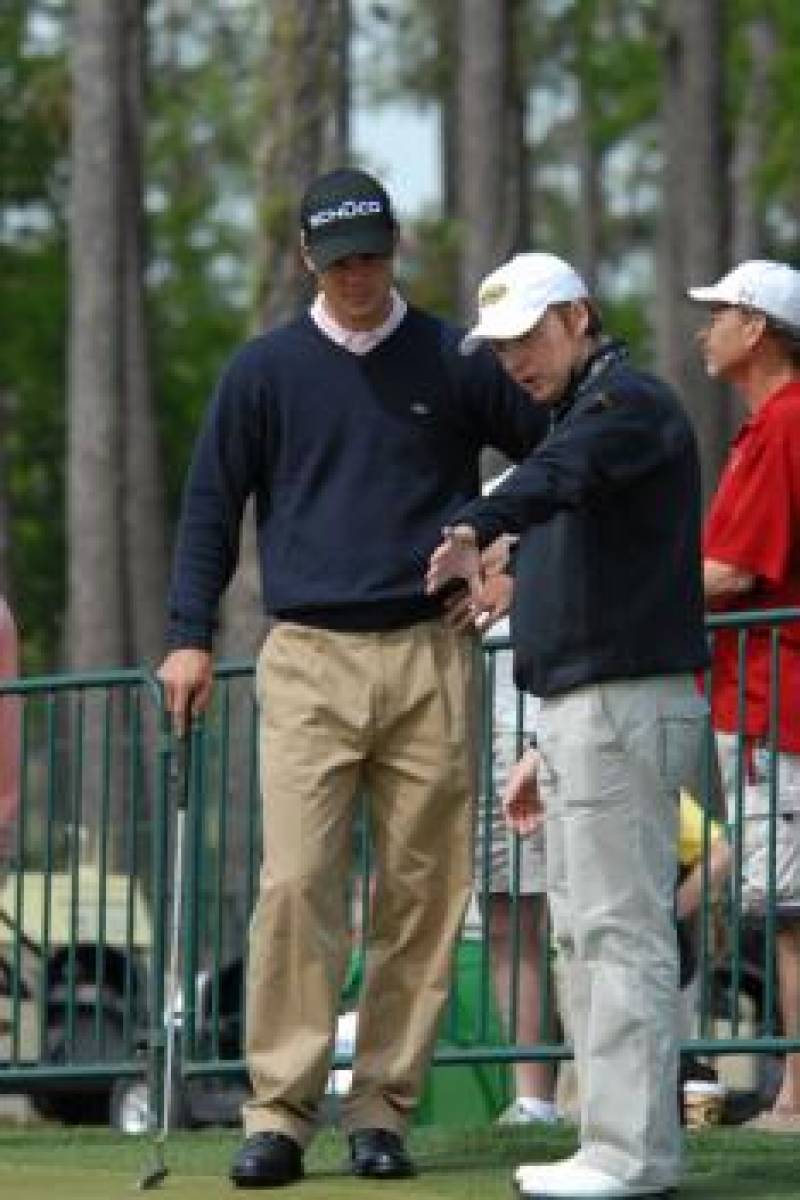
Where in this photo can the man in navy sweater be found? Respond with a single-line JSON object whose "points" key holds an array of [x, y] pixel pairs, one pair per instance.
{"points": [[357, 427], [607, 628]]}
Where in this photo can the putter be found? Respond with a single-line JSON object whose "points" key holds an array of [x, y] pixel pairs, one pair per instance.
{"points": [[159, 1169]]}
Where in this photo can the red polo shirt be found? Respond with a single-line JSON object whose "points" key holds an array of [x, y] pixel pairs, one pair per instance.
{"points": [[754, 524]]}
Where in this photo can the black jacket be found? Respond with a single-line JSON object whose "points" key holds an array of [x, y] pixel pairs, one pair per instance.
{"points": [[608, 571]]}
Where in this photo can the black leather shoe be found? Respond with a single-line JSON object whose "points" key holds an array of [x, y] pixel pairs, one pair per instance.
{"points": [[379, 1154], [267, 1160]]}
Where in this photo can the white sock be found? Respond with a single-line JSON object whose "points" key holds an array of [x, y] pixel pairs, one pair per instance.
{"points": [[543, 1110]]}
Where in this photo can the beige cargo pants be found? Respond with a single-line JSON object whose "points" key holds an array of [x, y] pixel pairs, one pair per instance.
{"points": [[614, 756], [389, 712]]}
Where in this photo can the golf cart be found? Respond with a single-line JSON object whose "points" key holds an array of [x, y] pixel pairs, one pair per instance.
{"points": [[74, 952]]}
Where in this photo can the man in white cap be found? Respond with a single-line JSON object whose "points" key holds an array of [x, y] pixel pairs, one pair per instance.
{"points": [[607, 628], [751, 560]]}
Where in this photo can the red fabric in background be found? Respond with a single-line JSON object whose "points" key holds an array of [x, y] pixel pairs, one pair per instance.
{"points": [[754, 524]]}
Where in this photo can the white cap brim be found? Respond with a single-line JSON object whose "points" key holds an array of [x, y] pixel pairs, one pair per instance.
{"points": [[710, 295], [501, 325]]}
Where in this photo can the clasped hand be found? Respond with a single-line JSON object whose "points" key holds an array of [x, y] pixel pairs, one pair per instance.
{"points": [[487, 592]]}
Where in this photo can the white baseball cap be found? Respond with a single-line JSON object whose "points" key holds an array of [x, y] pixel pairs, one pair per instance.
{"points": [[772, 288], [516, 296]]}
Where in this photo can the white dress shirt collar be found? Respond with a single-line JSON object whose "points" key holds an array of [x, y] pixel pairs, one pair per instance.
{"points": [[357, 341]]}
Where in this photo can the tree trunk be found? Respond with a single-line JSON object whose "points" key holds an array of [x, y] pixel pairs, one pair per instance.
{"points": [[98, 598], [748, 234], [446, 20], [670, 275], [695, 211], [488, 188], [145, 507], [97, 601], [302, 130], [342, 83], [590, 202]]}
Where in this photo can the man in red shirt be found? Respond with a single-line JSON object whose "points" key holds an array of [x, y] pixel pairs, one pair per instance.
{"points": [[751, 560]]}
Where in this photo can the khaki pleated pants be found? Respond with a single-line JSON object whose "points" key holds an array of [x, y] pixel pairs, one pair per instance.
{"points": [[390, 713], [614, 757]]}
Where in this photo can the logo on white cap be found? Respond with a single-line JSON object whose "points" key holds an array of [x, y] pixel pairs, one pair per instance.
{"points": [[490, 293], [515, 297]]}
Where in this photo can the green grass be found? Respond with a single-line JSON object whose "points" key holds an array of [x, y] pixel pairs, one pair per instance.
{"points": [[57, 1164]]}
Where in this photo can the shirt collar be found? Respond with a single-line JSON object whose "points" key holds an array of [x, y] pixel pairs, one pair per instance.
{"points": [[357, 341], [754, 419]]}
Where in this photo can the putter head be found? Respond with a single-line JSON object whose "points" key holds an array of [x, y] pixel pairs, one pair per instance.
{"points": [[153, 1179]]}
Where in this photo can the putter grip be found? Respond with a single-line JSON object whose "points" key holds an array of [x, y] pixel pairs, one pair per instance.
{"points": [[181, 769]]}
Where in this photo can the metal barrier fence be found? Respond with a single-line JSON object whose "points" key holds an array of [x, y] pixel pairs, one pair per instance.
{"points": [[85, 897], [81, 942]]}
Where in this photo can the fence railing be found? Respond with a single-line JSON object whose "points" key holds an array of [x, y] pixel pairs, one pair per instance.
{"points": [[85, 895], [81, 941]]}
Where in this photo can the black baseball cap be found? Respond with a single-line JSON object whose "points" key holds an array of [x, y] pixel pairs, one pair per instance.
{"points": [[346, 212]]}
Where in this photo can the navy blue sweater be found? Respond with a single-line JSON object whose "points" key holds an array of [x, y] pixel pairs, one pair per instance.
{"points": [[355, 462], [608, 581]]}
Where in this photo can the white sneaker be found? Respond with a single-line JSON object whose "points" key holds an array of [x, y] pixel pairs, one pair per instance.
{"points": [[570, 1180], [529, 1111]]}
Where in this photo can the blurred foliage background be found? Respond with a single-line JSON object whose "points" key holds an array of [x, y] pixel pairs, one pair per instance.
{"points": [[151, 158]]}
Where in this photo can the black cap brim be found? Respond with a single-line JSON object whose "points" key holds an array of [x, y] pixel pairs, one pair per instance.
{"points": [[326, 251]]}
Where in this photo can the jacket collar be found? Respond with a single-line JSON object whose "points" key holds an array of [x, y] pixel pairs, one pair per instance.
{"points": [[584, 382]]}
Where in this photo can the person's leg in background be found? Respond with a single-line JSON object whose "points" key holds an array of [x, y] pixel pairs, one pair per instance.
{"points": [[534, 1079], [506, 865], [788, 945], [749, 767], [787, 1102]]}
